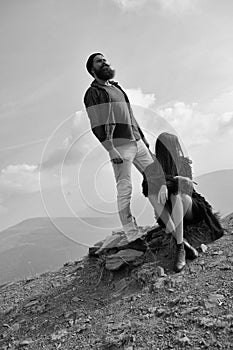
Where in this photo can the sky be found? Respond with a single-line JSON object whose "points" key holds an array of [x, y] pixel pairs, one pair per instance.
{"points": [[172, 57]]}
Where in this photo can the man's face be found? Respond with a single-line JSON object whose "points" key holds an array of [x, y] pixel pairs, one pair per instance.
{"points": [[101, 68]]}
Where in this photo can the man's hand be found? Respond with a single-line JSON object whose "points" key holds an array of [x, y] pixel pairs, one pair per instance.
{"points": [[115, 156], [163, 195]]}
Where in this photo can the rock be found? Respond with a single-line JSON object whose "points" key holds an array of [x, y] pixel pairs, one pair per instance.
{"points": [[213, 300], [195, 268], [111, 242], [201, 262], [220, 252], [217, 262], [190, 310], [32, 303], [115, 261], [212, 322], [175, 280], [161, 311], [184, 340], [160, 271], [25, 342], [152, 309], [203, 248], [120, 285], [15, 327], [92, 251], [58, 335], [76, 299], [159, 284]]}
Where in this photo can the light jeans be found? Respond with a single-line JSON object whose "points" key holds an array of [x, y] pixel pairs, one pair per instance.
{"points": [[134, 152]]}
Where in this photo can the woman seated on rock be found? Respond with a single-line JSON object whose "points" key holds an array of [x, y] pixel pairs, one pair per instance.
{"points": [[169, 186]]}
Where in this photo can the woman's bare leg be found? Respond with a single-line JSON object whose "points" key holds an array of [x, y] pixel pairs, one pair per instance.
{"points": [[187, 205], [177, 216], [162, 213]]}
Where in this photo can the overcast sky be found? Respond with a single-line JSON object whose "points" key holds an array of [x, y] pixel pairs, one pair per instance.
{"points": [[173, 57]]}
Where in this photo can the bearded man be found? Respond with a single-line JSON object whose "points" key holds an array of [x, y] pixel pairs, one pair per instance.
{"points": [[114, 125]]}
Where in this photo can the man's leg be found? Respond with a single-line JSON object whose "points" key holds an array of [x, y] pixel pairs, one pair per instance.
{"points": [[143, 157], [122, 174]]}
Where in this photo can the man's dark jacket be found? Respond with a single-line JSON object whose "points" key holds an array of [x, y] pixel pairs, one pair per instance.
{"points": [[103, 124]]}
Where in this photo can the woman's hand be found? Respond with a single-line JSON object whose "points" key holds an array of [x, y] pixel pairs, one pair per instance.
{"points": [[163, 195]]}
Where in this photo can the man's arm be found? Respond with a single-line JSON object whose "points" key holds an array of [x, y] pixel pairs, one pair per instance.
{"points": [[98, 115]]}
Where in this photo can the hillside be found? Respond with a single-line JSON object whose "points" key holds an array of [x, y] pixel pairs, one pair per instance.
{"points": [[34, 246], [81, 306]]}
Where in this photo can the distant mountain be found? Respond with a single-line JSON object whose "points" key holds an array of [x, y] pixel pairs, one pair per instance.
{"points": [[37, 245], [217, 187]]}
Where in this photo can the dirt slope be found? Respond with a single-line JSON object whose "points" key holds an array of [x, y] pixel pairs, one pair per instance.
{"points": [[82, 306]]}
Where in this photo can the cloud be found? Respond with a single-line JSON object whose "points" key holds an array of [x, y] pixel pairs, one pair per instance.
{"points": [[193, 126], [22, 145], [73, 147], [139, 98], [225, 123], [177, 6], [25, 178], [20, 178], [130, 4], [221, 103], [165, 6]]}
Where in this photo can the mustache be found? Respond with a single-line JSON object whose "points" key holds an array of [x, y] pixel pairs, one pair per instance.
{"points": [[105, 66]]}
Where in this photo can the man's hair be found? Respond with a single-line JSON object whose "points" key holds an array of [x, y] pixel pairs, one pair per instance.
{"points": [[89, 63]]}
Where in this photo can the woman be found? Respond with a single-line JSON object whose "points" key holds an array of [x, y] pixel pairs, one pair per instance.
{"points": [[169, 186]]}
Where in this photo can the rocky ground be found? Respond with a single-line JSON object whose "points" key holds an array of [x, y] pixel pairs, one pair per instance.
{"points": [[142, 305]]}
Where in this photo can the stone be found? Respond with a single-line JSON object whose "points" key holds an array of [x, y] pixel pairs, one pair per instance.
{"points": [[120, 285], [184, 340], [15, 327], [76, 299], [159, 284], [203, 248], [217, 262], [194, 268], [58, 335], [220, 252], [160, 271], [123, 257], [213, 300], [25, 342], [92, 251], [32, 303], [110, 242], [201, 262]]}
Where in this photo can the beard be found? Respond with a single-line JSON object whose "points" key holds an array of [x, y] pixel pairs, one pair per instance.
{"points": [[105, 73]]}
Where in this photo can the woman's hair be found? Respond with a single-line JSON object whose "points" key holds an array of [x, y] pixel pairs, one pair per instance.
{"points": [[168, 152]]}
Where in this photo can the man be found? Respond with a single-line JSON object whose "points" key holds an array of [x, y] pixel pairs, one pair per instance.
{"points": [[113, 123]]}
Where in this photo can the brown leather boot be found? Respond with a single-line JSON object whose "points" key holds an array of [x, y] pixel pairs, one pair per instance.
{"points": [[180, 258]]}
